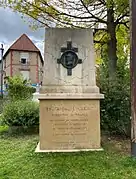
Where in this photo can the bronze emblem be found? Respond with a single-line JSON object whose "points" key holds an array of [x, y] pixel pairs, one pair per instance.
{"points": [[69, 58]]}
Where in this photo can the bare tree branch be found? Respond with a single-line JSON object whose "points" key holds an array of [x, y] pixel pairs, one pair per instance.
{"points": [[93, 16], [121, 17]]}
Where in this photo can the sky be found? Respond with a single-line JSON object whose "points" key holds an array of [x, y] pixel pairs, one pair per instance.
{"points": [[12, 26]]}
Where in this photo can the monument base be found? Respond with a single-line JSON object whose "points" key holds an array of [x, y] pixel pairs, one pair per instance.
{"points": [[38, 150], [49, 89], [69, 123]]}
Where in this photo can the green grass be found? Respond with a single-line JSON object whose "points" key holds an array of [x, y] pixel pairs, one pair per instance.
{"points": [[19, 161]]}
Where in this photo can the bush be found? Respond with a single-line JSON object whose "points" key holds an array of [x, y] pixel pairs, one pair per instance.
{"points": [[18, 88], [21, 113], [3, 102], [115, 107]]}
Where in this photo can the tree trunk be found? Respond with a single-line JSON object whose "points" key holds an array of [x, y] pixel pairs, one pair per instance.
{"points": [[112, 42]]}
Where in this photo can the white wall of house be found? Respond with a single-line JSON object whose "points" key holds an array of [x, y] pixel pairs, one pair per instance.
{"points": [[25, 74]]}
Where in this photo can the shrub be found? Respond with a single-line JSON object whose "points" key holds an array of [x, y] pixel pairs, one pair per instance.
{"points": [[21, 113], [18, 88], [3, 102], [115, 107]]}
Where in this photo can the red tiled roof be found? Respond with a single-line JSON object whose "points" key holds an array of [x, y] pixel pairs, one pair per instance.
{"points": [[23, 43]]}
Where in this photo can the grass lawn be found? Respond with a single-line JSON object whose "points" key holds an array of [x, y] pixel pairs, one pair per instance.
{"points": [[19, 161]]}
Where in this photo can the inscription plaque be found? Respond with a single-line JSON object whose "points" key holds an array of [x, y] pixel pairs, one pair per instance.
{"points": [[69, 125]]}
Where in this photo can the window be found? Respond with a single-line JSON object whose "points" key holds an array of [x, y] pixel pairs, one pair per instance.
{"points": [[23, 60]]}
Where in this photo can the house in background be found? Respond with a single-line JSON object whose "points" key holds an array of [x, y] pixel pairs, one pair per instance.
{"points": [[24, 58]]}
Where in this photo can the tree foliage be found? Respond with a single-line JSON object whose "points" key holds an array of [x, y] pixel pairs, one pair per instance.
{"points": [[122, 51], [78, 13], [104, 16]]}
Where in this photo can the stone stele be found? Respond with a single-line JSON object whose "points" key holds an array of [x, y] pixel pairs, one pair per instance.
{"points": [[69, 98]]}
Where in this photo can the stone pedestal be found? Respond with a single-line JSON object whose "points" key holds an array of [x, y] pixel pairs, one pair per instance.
{"points": [[69, 123], [69, 101]]}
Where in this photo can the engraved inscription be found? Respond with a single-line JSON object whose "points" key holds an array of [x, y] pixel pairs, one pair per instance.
{"points": [[69, 121], [72, 108]]}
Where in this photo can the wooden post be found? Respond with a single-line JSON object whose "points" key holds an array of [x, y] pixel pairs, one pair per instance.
{"points": [[133, 76], [2, 50]]}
